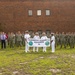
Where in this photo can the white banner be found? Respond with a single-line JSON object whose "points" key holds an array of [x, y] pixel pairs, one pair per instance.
{"points": [[38, 43]]}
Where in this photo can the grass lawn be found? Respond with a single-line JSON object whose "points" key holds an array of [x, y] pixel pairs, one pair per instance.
{"points": [[17, 62]]}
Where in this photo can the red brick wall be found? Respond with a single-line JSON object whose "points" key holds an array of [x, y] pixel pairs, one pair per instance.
{"points": [[14, 15]]}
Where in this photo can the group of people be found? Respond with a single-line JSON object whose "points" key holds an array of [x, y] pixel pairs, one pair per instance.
{"points": [[36, 37], [65, 39], [20, 39]]}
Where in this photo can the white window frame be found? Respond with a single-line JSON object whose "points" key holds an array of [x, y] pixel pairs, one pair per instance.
{"points": [[38, 12], [30, 12], [48, 12]]}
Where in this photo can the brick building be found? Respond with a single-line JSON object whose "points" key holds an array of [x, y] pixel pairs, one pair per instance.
{"points": [[41, 15]]}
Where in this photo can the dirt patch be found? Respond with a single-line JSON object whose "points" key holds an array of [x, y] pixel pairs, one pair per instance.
{"points": [[55, 70], [23, 63], [0, 73], [53, 57], [41, 57], [15, 72], [73, 56]]}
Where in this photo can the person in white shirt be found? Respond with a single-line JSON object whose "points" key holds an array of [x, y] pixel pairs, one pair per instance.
{"points": [[3, 40], [26, 36], [53, 42], [44, 37], [36, 37]]}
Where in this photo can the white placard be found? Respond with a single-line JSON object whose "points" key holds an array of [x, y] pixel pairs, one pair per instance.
{"points": [[38, 43]]}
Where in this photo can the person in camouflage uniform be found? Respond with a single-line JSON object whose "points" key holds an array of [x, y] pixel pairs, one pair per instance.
{"points": [[72, 40], [11, 39], [23, 40], [56, 39], [62, 40], [16, 38], [8, 37], [68, 39], [65, 40], [0, 36], [32, 35], [19, 39]]}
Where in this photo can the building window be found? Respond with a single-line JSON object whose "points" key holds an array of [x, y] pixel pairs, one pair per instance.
{"points": [[47, 12], [38, 12], [30, 13]]}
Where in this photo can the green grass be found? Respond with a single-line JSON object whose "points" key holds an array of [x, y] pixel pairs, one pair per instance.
{"points": [[17, 62]]}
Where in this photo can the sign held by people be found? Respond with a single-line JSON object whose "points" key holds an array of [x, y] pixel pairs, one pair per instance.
{"points": [[39, 42]]}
